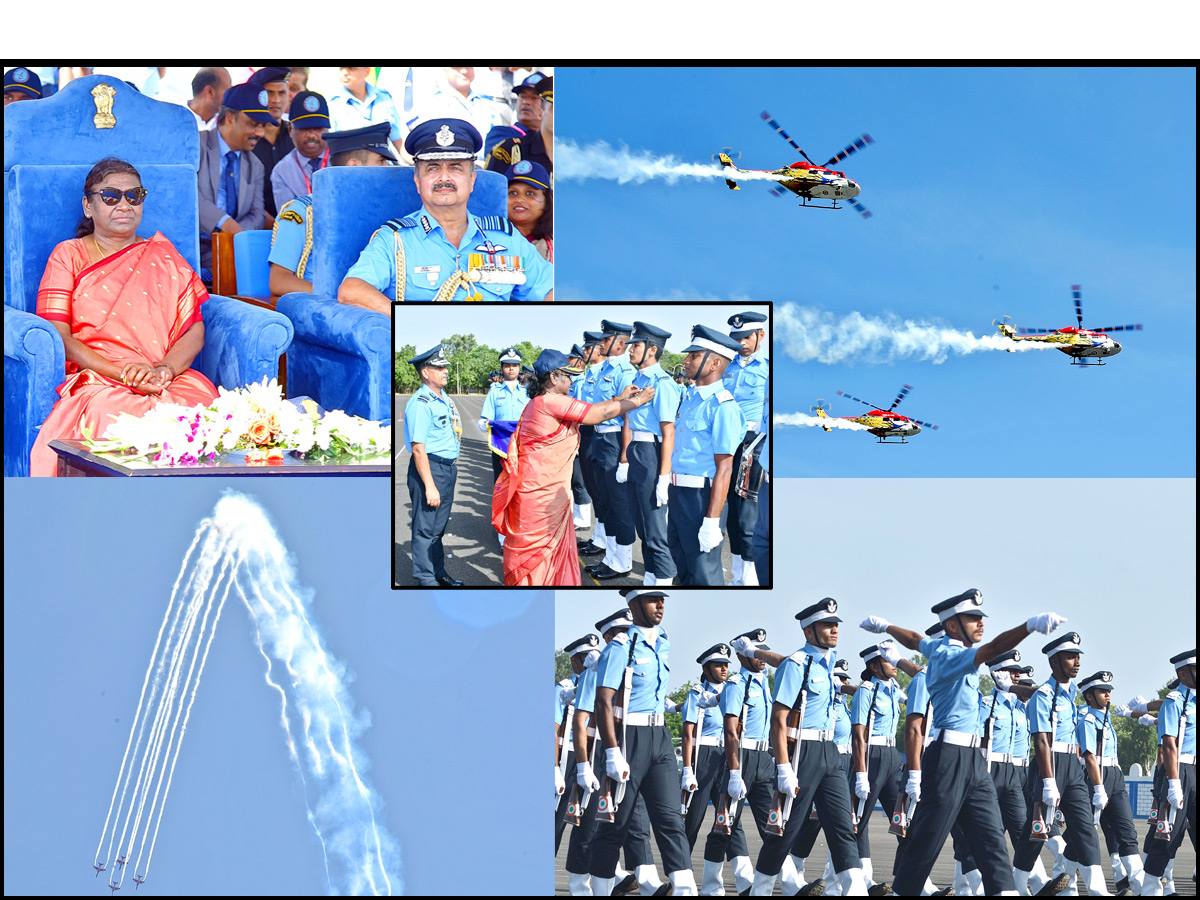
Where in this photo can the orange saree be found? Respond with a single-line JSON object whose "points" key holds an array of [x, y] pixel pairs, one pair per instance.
{"points": [[531, 505], [129, 307]]}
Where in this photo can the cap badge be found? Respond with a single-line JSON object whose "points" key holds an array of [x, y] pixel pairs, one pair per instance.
{"points": [[21, 75], [445, 137], [311, 104], [831, 606], [736, 321], [262, 97], [524, 167], [1106, 676]]}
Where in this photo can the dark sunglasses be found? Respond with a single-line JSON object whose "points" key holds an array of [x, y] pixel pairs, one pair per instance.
{"points": [[111, 196]]}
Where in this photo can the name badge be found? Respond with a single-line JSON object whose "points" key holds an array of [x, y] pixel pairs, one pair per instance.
{"points": [[430, 272]]}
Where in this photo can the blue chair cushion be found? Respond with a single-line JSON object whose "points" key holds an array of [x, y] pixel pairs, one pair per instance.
{"points": [[250, 252]]}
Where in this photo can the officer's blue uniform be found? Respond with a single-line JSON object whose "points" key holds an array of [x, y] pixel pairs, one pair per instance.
{"points": [[648, 750], [292, 238], [806, 838], [710, 422], [504, 402], [749, 386], [1176, 718], [884, 766], [612, 501], [579, 491], [710, 762], [583, 389], [431, 420], [644, 454], [1009, 778], [762, 527]]}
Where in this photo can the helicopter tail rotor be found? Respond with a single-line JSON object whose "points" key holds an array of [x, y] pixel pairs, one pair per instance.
{"points": [[727, 152], [820, 408]]}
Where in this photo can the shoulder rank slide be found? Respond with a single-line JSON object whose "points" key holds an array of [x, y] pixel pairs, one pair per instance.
{"points": [[724, 396], [494, 223]]}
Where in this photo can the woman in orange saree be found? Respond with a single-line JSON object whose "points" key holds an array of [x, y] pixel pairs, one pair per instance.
{"points": [[531, 505], [128, 311]]}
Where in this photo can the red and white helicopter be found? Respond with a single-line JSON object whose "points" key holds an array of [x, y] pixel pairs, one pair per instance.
{"points": [[883, 423], [1079, 343], [805, 178]]}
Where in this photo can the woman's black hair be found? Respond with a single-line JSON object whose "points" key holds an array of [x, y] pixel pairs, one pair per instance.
{"points": [[539, 384], [110, 165], [544, 227]]}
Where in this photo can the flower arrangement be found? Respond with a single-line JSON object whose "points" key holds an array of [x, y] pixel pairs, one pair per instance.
{"points": [[254, 419]]}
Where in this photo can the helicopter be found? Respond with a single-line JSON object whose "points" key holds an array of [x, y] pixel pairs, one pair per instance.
{"points": [[805, 178], [883, 423], [1079, 343]]}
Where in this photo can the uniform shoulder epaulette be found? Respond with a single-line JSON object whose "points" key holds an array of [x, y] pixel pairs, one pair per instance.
{"points": [[798, 657], [622, 638], [1174, 695], [406, 222], [289, 214], [425, 398], [494, 223], [695, 690], [724, 396], [1044, 689], [1090, 717]]}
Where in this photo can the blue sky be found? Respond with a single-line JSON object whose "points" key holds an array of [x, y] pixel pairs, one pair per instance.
{"points": [[894, 548], [77, 638], [993, 191]]}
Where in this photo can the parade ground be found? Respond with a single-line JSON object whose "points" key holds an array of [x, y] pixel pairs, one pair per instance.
{"points": [[883, 854], [473, 552]]}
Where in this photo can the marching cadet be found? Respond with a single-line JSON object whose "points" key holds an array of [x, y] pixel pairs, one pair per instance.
{"points": [[441, 251], [584, 389], [1177, 743], [640, 757], [708, 431], [564, 714], [614, 375], [638, 853], [812, 768], [747, 378], [954, 776], [1098, 745], [580, 499], [432, 433], [647, 440], [504, 403], [702, 739], [999, 716], [291, 261]]}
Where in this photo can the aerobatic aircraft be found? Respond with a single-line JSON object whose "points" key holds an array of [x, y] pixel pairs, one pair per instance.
{"points": [[114, 887], [99, 867], [1079, 343], [887, 425], [139, 880]]}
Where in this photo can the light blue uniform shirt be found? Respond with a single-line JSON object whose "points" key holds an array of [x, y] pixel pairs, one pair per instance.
{"points": [[428, 421], [764, 427], [1003, 720], [664, 405], [504, 403], [1180, 702], [818, 709], [748, 384], [587, 390], [291, 241], [758, 720], [1088, 735], [1063, 699], [1020, 744], [953, 682], [651, 673], [616, 373], [347, 112], [887, 707], [692, 712], [918, 697], [429, 258], [559, 709], [841, 721], [585, 692], [577, 384], [709, 422]]}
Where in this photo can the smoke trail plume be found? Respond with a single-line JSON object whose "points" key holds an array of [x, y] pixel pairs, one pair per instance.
{"points": [[803, 420], [809, 335], [622, 165]]}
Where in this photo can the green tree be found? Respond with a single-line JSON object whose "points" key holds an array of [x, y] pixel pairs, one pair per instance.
{"points": [[562, 666], [675, 720], [406, 378]]}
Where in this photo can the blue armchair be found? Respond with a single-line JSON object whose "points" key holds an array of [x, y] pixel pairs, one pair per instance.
{"points": [[342, 355], [49, 147]]}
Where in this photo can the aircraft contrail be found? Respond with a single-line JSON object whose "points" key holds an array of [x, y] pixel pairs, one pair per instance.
{"points": [[600, 159], [805, 420], [238, 549], [807, 335]]}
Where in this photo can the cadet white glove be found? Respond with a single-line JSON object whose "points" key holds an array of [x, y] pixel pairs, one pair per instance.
{"points": [[913, 787], [670, 705], [1044, 622], [622, 472], [560, 784], [585, 777], [1175, 792], [615, 765], [566, 691], [589, 661], [889, 651], [862, 785], [482, 423], [1148, 720], [743, 646], [875, 624], [1138, 705], [1002, 680], [1122, 711], [1099, 797], [660, 490], [689, 782], [785, 781], [737, 788], [1050, 795], [710, 535], [709, 699]]}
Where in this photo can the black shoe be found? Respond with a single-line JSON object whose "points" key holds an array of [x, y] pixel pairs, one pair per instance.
{"points": [[880, 889], [587, 548], [1123, 884], [447, 581], [666, 889], [1056, 886], [1122, 893], [812, 889], [944, 892], [626, 885], [603, 573]]}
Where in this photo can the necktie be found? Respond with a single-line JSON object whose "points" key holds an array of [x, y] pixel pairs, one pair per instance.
{"points": [[314, 164], [231, 191]]}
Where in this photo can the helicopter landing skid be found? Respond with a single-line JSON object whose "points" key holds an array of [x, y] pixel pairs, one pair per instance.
{"points": [[1082, 361], [881, 440], [809, 203]]}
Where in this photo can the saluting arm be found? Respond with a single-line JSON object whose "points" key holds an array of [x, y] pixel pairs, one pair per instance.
{"points": [[1001, 644], [910, 639], [908, 667], [1023, 691], [606, 721]]}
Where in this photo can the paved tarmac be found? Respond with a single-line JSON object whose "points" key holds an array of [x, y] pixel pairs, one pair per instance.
{"points": [[883, 852], [473, 552]]}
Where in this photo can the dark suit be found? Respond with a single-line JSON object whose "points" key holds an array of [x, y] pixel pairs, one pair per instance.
{"points": [[250, 211]]}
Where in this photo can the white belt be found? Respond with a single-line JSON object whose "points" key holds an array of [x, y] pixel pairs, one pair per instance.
{"points": [[1064, 747], [608, 429], [692, 481], [812, 734], [752, 426], [712, 741], [749, 744], [999, 757], [883, 741], [843, 748], [958, 738], [1108, 761], [1019, 761], [645, 719], [1188, 759], [645, 436]]}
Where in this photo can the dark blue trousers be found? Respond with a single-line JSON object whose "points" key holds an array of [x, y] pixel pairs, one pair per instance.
{"points": [[709, 768], [884, 767], [1116, 821], [428, 524], [743, 512], [689, 506], [762, 535], [807, 836], [617, 515], [758, 772], [649, 519], [1076, 805]]}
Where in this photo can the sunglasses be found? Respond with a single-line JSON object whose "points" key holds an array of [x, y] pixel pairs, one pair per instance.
{"points": [[111, 196]]}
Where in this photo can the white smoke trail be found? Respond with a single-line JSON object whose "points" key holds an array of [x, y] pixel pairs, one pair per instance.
{"points": [[804, 420], [622, 165], [808, 335]]}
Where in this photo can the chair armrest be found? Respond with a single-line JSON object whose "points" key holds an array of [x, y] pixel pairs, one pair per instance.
{"points": [[347, 329], [34, 365], [242, 343]]}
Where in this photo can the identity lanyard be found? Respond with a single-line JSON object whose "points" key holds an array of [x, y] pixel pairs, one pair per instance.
{"points": [[304, 169]]}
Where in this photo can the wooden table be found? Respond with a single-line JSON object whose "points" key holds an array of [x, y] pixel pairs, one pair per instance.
{"points": [[76, 461]]}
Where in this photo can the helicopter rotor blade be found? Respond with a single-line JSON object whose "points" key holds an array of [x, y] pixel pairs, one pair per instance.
{"points": [[1003, 320], [866, 213], [1137, 327], [776, 192], [924, 424], [1078, 303], [766, 117], [900, 396], [853, 147], [852, 397]]}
